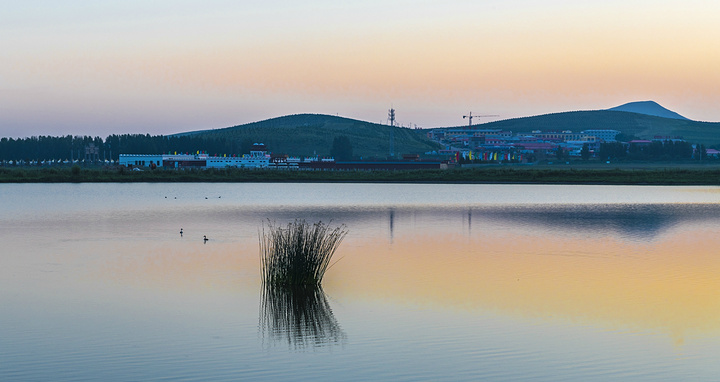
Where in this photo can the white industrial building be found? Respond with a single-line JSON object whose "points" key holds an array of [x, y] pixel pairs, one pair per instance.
{"points": [[258, 158], [603, 135]]}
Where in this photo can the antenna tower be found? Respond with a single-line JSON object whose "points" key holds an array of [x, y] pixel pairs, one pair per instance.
{"points": [[391, 117]]}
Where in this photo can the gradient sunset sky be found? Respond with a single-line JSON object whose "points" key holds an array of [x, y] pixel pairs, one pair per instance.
{"points": [[87, 67]]}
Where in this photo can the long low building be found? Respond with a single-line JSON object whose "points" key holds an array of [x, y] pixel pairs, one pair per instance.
{"points": [[193, 161], [376, 165], [258, 158]]}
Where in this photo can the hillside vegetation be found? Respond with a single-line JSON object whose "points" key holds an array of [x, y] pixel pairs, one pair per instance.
{"points": [[313, 134], [640, 125]]}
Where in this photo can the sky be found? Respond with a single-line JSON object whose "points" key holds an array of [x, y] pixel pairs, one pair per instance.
{"points": [[86, 67]]}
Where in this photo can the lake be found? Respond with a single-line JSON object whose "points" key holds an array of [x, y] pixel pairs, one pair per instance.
{"points": [[433, 282]]}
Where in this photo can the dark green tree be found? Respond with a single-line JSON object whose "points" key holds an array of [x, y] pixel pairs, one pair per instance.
{"points": [[585, 152], [246, 145], [342, 149], [612, 151], [622, 137]]}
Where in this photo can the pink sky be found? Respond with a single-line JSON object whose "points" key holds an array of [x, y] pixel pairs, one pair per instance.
{"points": [[96, 68]]}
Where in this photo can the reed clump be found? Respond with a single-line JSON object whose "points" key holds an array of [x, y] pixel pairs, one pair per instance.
{"points": [[298, 255]]}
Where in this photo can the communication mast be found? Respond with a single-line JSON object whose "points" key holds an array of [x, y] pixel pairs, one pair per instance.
{"points": [[470, 117], [391, 117]]}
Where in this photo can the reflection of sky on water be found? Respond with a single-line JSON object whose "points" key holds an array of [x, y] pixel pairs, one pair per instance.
{"points": [[627, 211], [669, 285], [640, 222], [437, 278]]}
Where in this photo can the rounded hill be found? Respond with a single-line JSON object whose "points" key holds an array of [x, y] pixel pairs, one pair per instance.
{"points": [[629, 123], [648, 108], [313, 134]]}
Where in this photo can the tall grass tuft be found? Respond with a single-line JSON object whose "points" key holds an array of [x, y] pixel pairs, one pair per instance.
{"points": [[298, 255]]}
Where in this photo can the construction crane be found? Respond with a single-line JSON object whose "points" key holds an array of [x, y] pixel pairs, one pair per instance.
{"points": [[470, 117]]}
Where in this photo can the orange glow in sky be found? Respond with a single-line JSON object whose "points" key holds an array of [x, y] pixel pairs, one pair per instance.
{"points": [[163, 67]]}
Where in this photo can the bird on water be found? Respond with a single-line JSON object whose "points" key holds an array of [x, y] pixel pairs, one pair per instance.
{"points": [[181, 231], [205, 239]]}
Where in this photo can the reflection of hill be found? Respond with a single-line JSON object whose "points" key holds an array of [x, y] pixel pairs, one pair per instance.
{"points": [[642, 221], [630, 220], [302, 317]]}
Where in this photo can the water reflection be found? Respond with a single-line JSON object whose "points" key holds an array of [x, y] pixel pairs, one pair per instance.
{"points": [[668, 286], [634, 221], [302, 317], [392, 224], [469, 220]]}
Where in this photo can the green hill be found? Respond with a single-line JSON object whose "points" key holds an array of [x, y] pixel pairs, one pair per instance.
{"points": [[640, 125], [648, 108], [313, 134]]}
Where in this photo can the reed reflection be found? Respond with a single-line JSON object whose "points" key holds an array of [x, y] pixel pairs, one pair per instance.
{"points": [[300, 316]]}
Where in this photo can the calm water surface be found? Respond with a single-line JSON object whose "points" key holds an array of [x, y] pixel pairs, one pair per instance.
{"points": [[435, 282]]}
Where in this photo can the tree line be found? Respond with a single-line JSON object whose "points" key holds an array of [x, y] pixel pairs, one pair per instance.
{"points": [[47, 148], [654, 151]]}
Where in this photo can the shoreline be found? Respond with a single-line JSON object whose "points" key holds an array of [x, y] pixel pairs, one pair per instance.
{"points": [[630, 174]]}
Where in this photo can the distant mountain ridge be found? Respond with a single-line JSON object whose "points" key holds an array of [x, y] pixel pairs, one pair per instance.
{"points": [[630, 123], [313, 134], [649, 108]]}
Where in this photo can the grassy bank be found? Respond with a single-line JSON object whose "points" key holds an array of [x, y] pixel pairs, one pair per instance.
{"points": [[694, 175]]}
